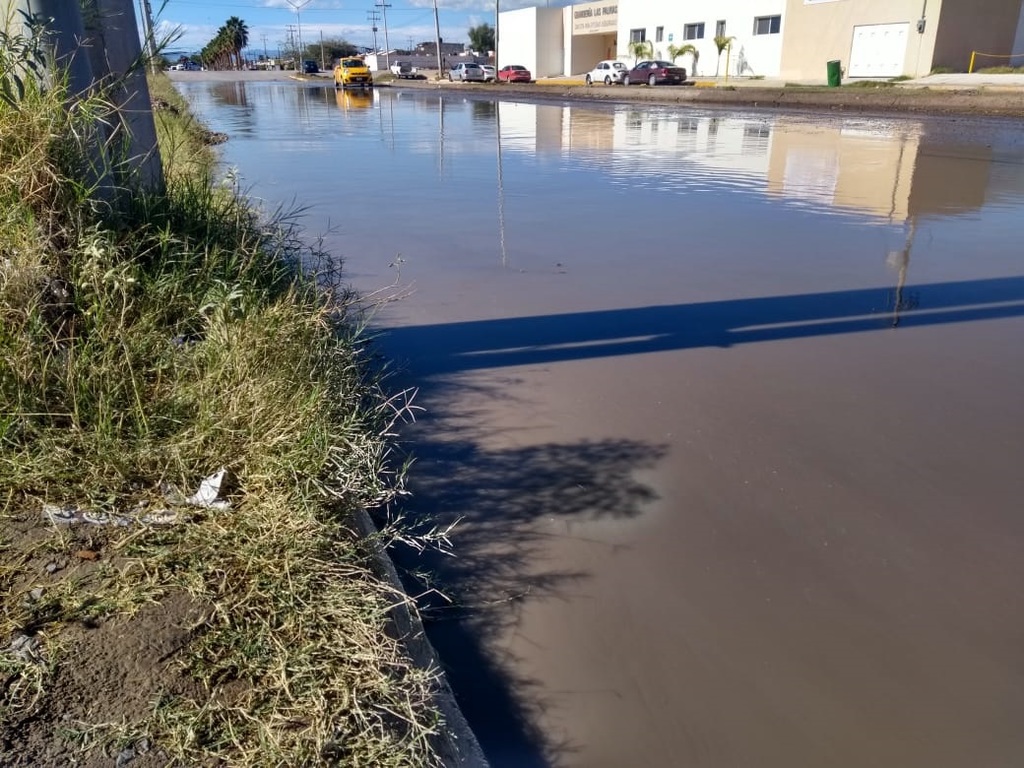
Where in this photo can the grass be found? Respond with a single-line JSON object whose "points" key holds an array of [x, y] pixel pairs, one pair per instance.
{"points": [[1000, 70], [146, 346]]}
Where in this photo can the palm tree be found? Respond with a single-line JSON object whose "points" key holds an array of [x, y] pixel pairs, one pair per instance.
{"points": [[675, 51], [238, 38], [721, 43], [641, 49], [217, 52]]}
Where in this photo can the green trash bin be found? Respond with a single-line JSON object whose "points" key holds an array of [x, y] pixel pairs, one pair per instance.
{"points": [[835, 73]]}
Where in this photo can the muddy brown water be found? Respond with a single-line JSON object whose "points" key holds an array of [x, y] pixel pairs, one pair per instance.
{"points": [[729, 406]]}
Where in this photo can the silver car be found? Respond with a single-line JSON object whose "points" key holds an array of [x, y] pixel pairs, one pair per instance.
{"points": [[467, 72]]}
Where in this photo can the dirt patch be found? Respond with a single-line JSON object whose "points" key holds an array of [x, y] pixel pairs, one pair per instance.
{"points": [[79, 683]]}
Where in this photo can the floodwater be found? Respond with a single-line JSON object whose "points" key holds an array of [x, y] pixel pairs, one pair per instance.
{"points": [[730, 406]]}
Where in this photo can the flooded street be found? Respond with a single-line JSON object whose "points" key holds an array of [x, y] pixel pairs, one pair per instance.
{"points": [[729, 405]]}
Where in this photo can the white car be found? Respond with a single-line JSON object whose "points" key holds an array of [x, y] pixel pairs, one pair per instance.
{"points": [[467, 71], [607, 72], [490, 73]]}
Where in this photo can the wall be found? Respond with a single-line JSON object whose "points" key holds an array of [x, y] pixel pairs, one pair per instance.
{"points": [[550, 50], [591, 34], [816, 33], [587, 50], [517, 38], [976, 25], [754, 54]]}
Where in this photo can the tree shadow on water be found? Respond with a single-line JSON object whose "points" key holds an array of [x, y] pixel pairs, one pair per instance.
{"points": [[510, 504]]}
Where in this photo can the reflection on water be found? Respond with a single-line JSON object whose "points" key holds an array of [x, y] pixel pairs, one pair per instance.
{"points": [[359, 98], [716, 511], [894, 170]]}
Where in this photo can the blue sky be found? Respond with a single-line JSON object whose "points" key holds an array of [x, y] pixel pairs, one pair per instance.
{"points": [[408, 20]]}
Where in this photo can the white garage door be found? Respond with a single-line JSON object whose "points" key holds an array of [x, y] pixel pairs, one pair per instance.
{"points": [[879, 50]]}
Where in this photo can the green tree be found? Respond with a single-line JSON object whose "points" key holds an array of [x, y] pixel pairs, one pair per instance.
{"points": [[721, 43], [641, 49], [675, 51], [481, 38], [334, 48]]}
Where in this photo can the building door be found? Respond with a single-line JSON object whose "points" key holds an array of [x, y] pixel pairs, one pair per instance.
{"points": [[878, 50]]}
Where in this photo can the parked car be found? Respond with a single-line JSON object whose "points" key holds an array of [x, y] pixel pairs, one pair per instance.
{"points": [[403, 70], [310, 67], [352, 72], [655, 72], [467, 71], [515, 73], [607, 72]]}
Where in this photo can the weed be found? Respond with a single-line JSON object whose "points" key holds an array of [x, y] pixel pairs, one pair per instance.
{"points": [[150, 348]]}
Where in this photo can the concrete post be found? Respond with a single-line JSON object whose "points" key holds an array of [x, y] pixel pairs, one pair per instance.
{"points": [[97, 42], [116, 56], [66, 33]]}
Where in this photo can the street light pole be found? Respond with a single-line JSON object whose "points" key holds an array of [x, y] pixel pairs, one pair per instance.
{"points": [[497, 11], [297, 6]]}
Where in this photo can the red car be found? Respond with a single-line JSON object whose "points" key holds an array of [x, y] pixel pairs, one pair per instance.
{"points": [[515, 73], [654, 73]]}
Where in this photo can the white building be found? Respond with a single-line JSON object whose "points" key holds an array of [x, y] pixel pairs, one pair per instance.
{"points": [[791, 39], [534, 38], [571, 40], [755, 26]]}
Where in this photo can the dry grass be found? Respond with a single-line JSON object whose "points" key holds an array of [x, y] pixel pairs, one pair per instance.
{"points": [[150, 349]]}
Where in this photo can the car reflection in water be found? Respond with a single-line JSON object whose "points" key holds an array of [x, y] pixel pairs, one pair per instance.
{"points": [[353, 99]]}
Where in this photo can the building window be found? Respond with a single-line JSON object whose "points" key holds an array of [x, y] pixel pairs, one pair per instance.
{"points": [[659, 32], [767, 25], [720, 28], [693, 31], [637, 35]]}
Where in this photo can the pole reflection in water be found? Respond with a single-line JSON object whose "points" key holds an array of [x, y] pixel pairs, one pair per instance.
{"points": [[501, 188]]}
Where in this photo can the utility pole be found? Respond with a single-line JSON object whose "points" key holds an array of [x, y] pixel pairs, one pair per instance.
{"points": [[147, 25], [387, 46], [290, 40], [322, 64], [265, 56], [496, 14], [373, 16], [437, 41]]}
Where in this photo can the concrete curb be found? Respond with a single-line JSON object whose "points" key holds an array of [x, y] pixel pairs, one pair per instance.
{"points": [[457, 744]]}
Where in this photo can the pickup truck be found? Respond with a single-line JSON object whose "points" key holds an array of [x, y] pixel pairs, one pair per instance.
{"points": [[403, 70]]}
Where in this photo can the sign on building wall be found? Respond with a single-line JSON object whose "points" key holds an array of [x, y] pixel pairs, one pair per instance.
{"points": [[595, 18]]}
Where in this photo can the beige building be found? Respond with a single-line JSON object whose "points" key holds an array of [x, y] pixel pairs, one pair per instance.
{"points": [[889, 38]]}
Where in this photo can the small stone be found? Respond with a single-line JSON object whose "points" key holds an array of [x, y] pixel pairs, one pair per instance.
{"points": [[52, 567], [36, 594]]}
